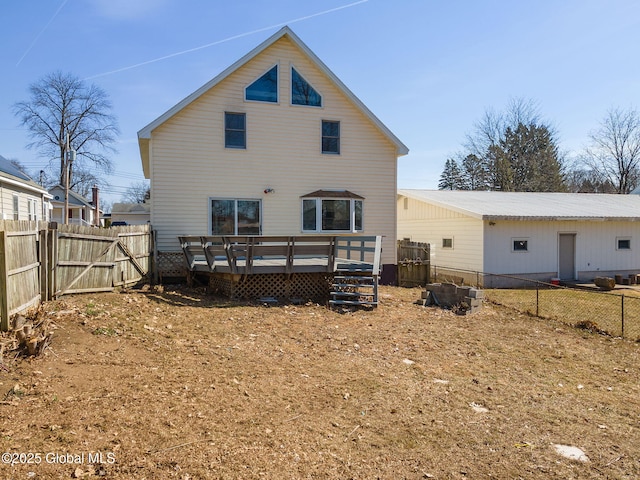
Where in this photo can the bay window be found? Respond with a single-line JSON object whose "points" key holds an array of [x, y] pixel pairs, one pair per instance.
{"points": [[332, 211]]}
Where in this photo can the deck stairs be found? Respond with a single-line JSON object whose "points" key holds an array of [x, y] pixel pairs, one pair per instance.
{"points": [[355, 280]]}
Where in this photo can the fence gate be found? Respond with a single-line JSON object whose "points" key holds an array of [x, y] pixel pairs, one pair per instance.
{"points": [[414, 260], [90, 260], [22, 248]]}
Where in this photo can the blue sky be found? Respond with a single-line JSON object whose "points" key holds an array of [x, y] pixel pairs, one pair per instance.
{"points": [[427, 69]]}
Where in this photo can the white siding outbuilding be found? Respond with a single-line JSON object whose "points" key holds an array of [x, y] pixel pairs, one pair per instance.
{"points": [[533, 235]]}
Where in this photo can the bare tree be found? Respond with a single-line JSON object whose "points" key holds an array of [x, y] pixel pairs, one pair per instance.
{"points": [[491, 129], [65, 110], [137, 192], [614, 153], [512, 150]]}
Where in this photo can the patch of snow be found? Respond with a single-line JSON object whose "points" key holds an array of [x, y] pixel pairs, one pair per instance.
{"points": [[573, 453], [478, 408]]}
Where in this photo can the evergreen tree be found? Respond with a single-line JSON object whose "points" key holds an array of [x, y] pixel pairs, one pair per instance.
{"points": [[450, 178], [526, 160]]}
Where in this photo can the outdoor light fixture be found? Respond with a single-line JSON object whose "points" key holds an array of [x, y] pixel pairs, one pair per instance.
{"points": [[269, 190]]}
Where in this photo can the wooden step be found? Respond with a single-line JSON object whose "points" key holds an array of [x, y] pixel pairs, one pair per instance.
{"points": [[352, 294], [350, 302]]}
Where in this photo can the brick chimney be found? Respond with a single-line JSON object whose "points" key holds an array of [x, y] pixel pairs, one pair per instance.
{"points": [[96, 206]]}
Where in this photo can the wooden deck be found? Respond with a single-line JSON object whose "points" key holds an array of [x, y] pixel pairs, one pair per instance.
{"points": [[344, 270], [250, 255]]}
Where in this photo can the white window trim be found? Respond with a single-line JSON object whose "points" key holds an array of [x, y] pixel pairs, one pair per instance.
{"points": [[235, 213], [16, 207], [452, 243], [352, 212], [618, 244], [224, 131], [278, 77], [519, 239], [290, 93], [339, 122]]}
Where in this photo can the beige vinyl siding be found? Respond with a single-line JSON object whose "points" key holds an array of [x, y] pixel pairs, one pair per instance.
{"points": [[595, 248], [7, 193], [189, 163], [423, 222]]}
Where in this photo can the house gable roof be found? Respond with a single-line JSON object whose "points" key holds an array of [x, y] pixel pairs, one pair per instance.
{"points": [[11, 174], [57, 193], [144, 135], [489, 205]]}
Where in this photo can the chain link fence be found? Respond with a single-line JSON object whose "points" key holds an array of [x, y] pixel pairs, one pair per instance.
{"points": [[615, 312]]}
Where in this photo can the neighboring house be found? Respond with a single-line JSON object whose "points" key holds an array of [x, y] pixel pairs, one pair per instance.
{"points": [[131, 213], [570, 236], [20, 197], [274, 145], [82, 211]]}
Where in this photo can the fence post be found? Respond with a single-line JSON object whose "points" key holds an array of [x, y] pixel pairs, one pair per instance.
{"points": [[537, 300], [622, 315], [4, 284]]}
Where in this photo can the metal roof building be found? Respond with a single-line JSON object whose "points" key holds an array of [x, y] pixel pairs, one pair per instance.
{"points": [[571, 236]]}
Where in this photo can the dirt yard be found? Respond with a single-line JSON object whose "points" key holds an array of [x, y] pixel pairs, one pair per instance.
{"points": [[173, 383]]}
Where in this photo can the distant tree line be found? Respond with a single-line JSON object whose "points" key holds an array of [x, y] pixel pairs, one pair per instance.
{"points": [[516, 151]]}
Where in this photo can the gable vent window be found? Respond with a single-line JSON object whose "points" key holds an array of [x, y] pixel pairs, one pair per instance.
{"points": [[302, 93], [265, 88], [235, 130]]}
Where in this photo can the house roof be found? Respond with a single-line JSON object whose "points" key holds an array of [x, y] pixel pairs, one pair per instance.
{"points": [[144, 135], [11, 174], [488, 205], [74, 198], [131, 208]]}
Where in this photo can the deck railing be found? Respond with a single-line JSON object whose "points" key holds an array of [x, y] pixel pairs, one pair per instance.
{"points": [[281, 254]]}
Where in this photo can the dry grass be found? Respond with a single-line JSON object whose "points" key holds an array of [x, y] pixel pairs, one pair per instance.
{"points": [[573, 306], [177, 384]]}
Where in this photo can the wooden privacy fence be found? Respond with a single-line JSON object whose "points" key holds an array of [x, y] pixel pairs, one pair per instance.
{"points": [[413, 263], [21, 254], [41, 261]]}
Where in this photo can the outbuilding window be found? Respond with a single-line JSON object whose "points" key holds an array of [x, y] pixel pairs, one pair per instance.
{"points": [[447, 243], [520, 245], [623, 243]]}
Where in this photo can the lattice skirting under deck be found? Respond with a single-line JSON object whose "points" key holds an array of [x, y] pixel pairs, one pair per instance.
{"points": [[303, 286], [171, 264]]}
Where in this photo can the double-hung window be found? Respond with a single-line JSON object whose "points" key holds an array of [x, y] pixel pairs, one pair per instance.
{"points": [[235, 216], [330, 137], [16, 207], [235, 130], [327, 211]]}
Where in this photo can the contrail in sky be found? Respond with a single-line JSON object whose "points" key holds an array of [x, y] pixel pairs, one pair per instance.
{"points": [[226, 39], [41, 32]]}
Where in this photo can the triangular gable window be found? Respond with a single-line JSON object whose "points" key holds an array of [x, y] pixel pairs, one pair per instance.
{"points": [[265, 88], [302, 93]]}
